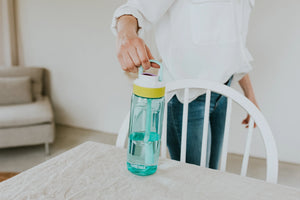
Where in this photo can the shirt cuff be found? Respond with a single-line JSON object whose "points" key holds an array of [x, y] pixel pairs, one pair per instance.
{"points": [[128, 10], [244, 70]]}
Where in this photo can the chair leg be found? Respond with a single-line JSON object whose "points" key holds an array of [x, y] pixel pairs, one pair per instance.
{"points": [[47, 149]]}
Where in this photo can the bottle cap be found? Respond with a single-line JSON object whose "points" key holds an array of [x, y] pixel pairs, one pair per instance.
{"points": [[149, 85]]}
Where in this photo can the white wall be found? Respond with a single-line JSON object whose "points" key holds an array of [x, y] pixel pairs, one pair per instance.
{"points": [[275, 45], [72, 39]]}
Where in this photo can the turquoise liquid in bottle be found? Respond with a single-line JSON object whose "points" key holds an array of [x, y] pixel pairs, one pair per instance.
{"points": [[142, 157], [144, 134]]}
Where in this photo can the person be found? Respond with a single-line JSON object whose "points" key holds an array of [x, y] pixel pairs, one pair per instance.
{"points": [[196, 39]]}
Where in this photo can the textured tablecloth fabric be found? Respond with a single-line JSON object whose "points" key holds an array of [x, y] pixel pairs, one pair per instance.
{"points": [[97, 171]]}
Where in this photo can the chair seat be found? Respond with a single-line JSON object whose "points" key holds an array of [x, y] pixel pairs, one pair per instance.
{"points": [[37, 112]]}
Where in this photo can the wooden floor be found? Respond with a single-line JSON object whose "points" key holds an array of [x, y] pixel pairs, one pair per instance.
{"points": [[6, 175]]}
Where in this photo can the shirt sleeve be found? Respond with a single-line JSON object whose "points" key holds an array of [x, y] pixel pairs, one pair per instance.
{"points": [[146, 12]]}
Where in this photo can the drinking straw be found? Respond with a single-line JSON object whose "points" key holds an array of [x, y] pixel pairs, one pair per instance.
{"points": [[148, 147], [148, 121]]}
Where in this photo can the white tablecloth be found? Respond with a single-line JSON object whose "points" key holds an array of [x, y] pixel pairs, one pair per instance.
{"points": [[98, 171]]}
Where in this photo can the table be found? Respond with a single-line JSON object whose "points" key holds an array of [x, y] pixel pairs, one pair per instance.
{"points": [[98, 171]]}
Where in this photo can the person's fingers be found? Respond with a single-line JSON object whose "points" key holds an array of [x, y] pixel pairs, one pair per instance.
{"points": [[121, 61], [248, 126], [149, 52], [135, 70], [154, 65], [135, 53], [142, 53], [134, 56], [245, 121], [128, 63]]}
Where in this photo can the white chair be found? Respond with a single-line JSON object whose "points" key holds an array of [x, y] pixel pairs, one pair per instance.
{"points": [[256, 116]]}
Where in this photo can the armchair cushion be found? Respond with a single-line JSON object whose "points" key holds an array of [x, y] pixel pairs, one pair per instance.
{"points": [[38, 112], [15, 90], [36, 75]]}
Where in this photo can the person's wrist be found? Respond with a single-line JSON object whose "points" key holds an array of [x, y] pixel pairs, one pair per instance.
{"points": [[253, 100], [127, 26], [127, 34]]}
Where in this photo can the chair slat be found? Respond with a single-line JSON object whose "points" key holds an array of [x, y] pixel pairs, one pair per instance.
{"points": [[247, 148], [164, 132], [226, 135], [184, 125], [205, 129]]}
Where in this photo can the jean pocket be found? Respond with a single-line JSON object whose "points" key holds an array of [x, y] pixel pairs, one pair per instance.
{"points": [[212, 21]]}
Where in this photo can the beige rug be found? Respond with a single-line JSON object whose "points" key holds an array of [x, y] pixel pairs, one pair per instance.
{"points": [[6, 175]]}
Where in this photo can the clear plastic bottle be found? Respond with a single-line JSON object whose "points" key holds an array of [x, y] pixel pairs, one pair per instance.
{"points": [[146, 119]]}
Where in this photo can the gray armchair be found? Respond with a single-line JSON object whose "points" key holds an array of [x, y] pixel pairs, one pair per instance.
{"points": [[26, 115]]}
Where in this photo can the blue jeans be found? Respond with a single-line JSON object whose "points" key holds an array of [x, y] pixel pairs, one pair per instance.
{"points": [[218, 105]]}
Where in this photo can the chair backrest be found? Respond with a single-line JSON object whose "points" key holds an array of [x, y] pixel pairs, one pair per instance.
{"points": [[232, 95]]}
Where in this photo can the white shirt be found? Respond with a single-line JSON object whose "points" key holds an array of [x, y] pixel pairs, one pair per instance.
{"points": [[200, 39]]}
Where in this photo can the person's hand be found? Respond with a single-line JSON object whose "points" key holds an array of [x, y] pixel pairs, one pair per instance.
{"points": [[133, 52], [246, 121]]}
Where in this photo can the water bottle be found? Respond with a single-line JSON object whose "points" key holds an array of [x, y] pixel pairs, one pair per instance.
{"points": [[145, 126]]}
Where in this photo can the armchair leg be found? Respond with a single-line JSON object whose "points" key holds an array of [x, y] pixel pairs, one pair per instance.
{"points": [[47, 149]]}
